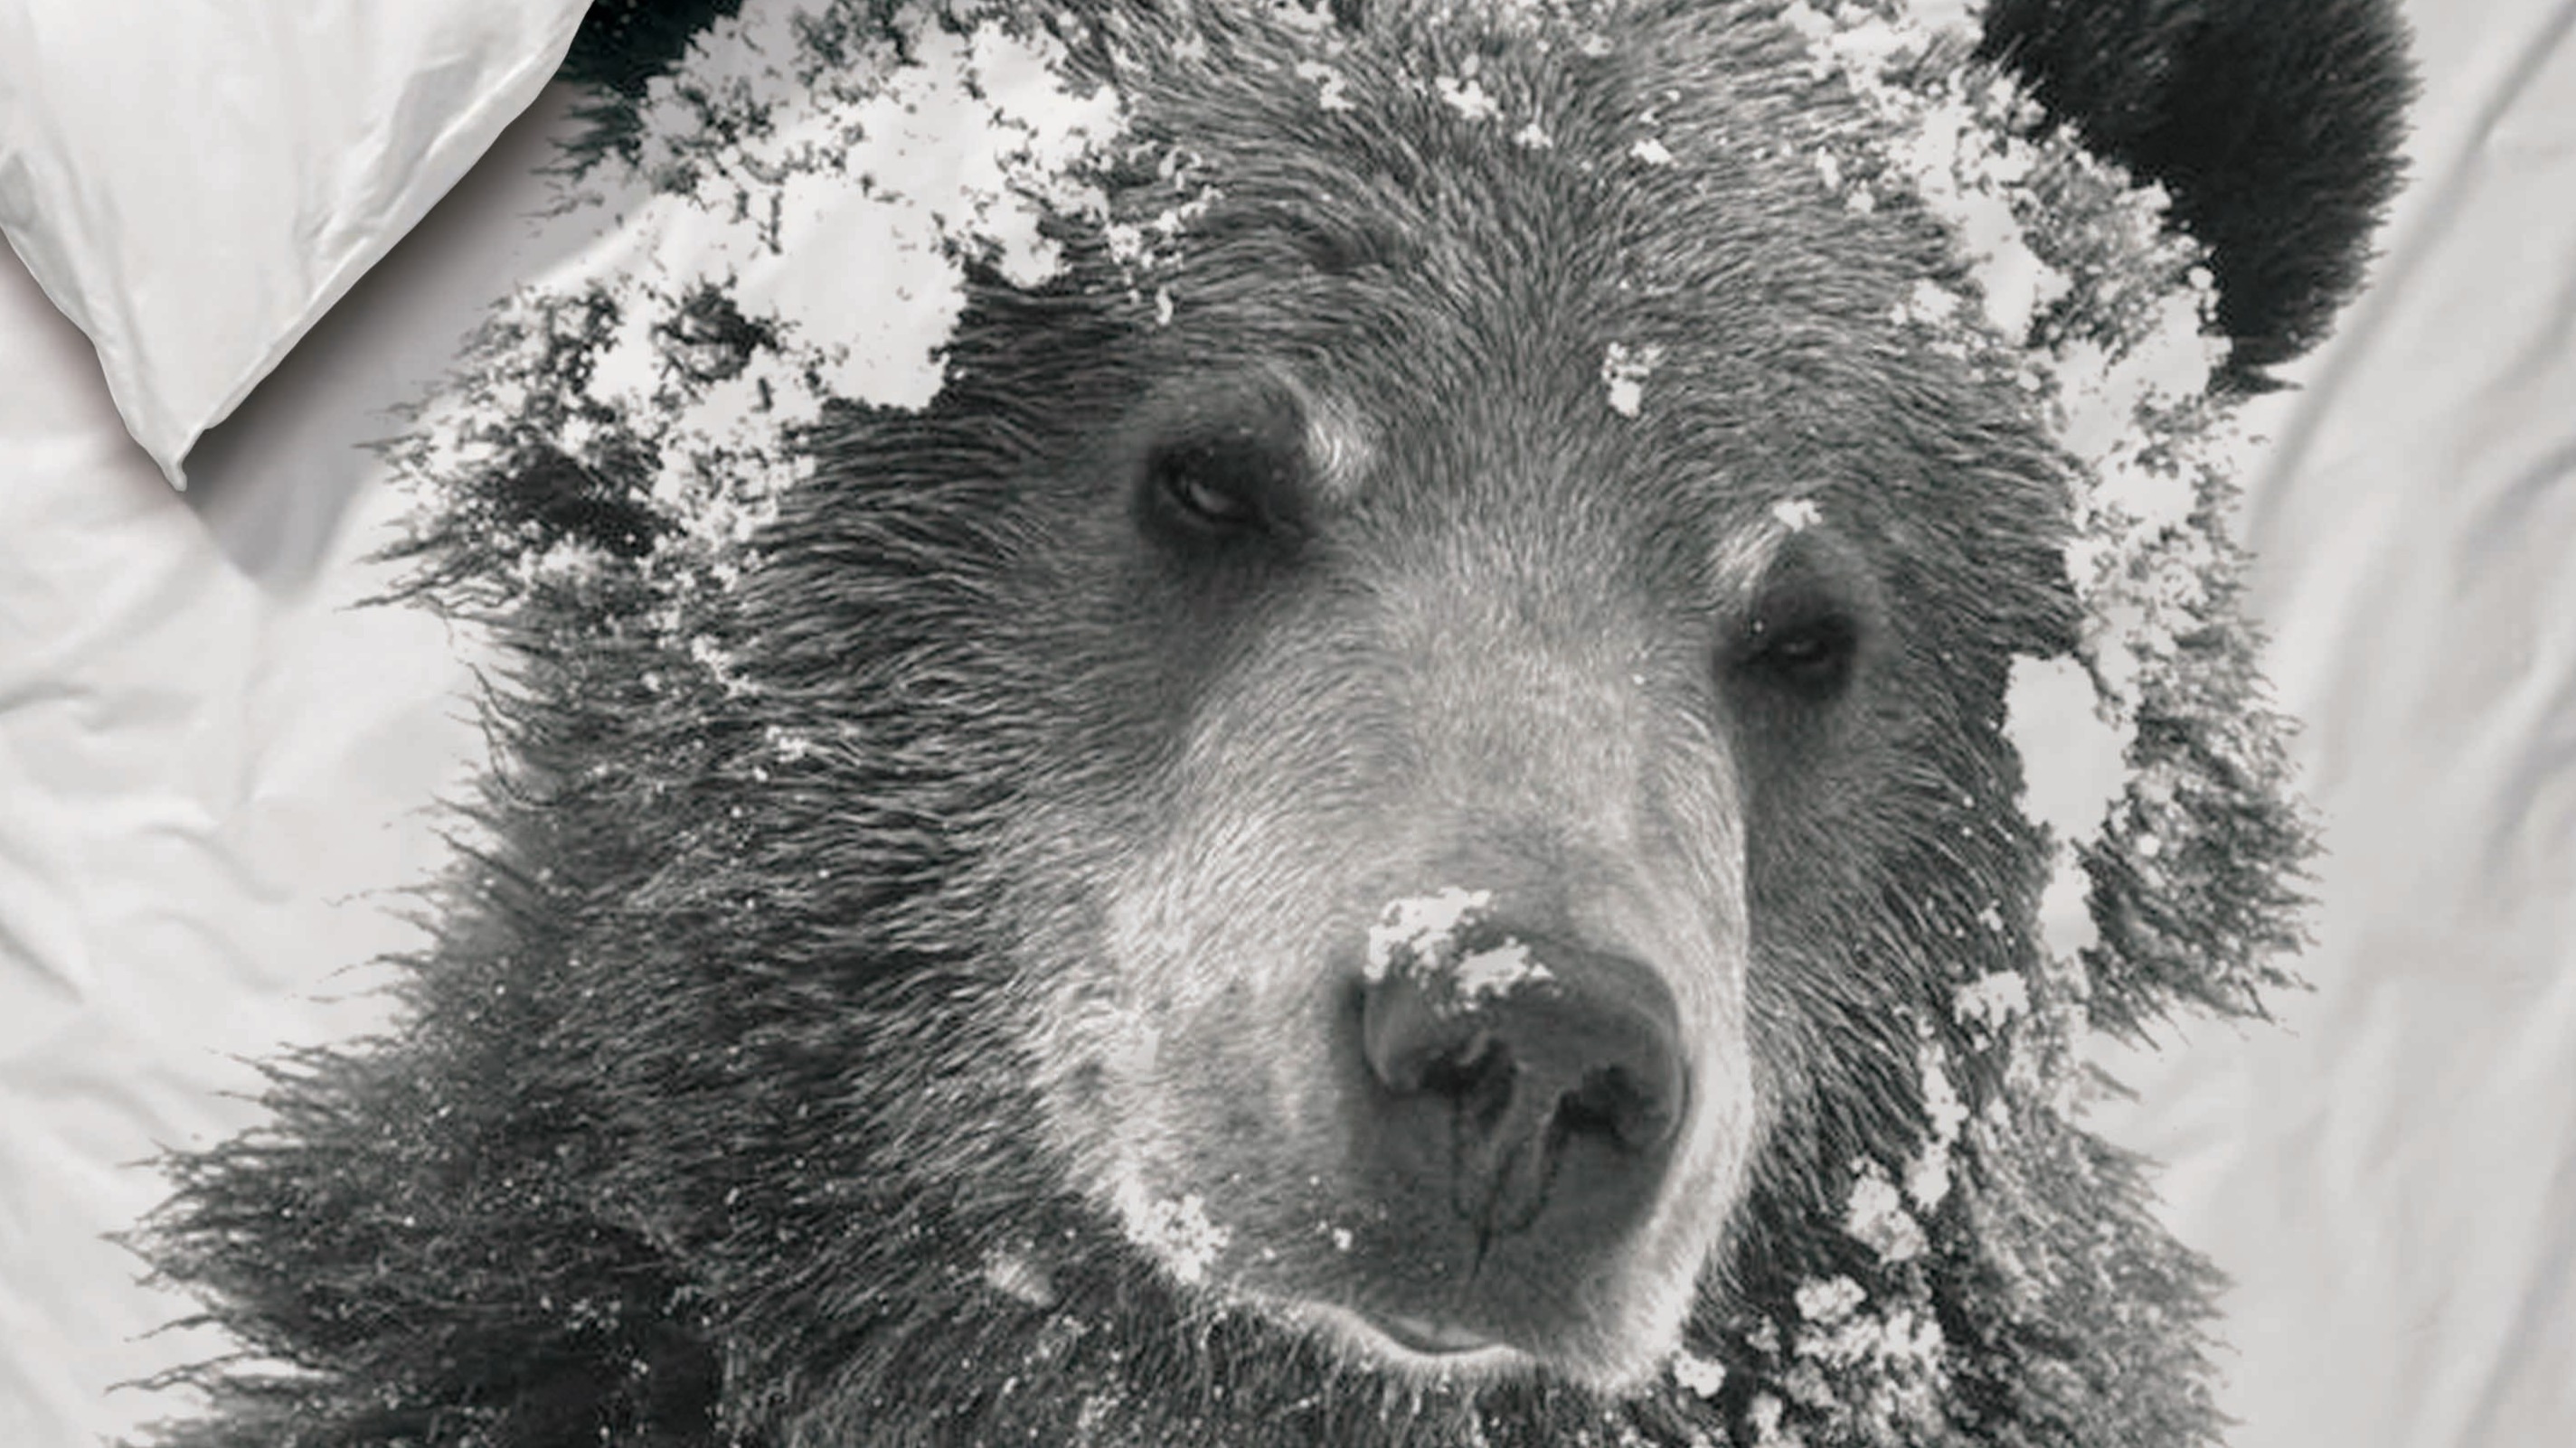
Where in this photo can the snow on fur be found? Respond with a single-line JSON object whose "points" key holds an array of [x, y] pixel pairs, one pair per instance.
{"points": [[790, 231], [2105, 317]]}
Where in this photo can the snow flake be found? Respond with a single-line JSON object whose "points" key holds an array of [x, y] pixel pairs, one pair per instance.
{"points": [[2074, 760], [1624, 370], [1176, 1230], [1797, 514], [1928, 303], [1763, 1416], [1496, 972], [1332, 89], [1315, 18], [1467, 97], [1876, 1216], [1829, 1301], [1016, 1275], [1927, 1181], [1703, 1377], [1993, 1001], [2066, 924]]}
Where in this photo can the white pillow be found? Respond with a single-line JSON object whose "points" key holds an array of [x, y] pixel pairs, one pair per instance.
{"points": [[194, 184]]}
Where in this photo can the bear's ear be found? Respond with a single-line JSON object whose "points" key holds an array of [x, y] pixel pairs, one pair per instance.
{"points": [[624, 43], [2273, 124]]}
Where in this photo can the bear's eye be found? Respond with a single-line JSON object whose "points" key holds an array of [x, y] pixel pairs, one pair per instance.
{"points": [[1805, 654], [1231, 484], [1194, 481]]}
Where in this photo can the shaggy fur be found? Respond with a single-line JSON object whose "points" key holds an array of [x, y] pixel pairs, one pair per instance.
{"points": [[716, 1117]]}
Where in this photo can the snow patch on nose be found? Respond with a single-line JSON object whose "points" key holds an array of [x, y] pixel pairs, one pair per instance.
{"points": [[1422, 937], [1422, 928], [1498, 971]]}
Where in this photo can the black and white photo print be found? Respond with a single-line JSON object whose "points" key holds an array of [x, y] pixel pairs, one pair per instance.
{"points": [[1395, 724]]}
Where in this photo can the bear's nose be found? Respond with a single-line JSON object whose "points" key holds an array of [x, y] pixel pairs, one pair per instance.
{"points": [[1529, 1073]]}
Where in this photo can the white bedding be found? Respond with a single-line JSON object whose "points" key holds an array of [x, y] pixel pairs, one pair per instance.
{"points": [[212, 774], [211, 770], [194, 185]]}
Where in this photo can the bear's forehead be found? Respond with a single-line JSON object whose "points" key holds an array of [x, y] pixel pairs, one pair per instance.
{"points": [[1535, 208], [1546, 162]]}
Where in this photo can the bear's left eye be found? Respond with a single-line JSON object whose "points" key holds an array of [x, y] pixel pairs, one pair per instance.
{"points": [[1808, 655]]}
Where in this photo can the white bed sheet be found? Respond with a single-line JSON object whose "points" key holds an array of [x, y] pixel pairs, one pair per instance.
{"points": [[212, 773]]}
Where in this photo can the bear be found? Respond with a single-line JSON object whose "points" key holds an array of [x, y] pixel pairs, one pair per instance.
{"points": [[1390, 817]]}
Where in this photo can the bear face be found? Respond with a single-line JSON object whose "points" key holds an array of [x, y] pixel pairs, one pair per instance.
{"points": [[1392, 600], [1377, 832]]}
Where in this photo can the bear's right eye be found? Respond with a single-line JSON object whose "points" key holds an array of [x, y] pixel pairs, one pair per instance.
{"points": [[1205, 486], [1234, 483]]}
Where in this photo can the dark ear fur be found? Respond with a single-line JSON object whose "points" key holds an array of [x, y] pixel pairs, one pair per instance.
{"points": [[2274, 124], [624, 43]]}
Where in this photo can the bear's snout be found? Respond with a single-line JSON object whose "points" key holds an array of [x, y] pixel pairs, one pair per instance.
{"points": [[1521, 1093], [1523, 1084]]}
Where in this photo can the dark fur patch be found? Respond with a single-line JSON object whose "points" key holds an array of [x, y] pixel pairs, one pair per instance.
{"points": [[622, 44], [2274, 123]]}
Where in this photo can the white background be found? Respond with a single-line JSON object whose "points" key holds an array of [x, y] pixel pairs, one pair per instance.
{"points": [[212, 774]]}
